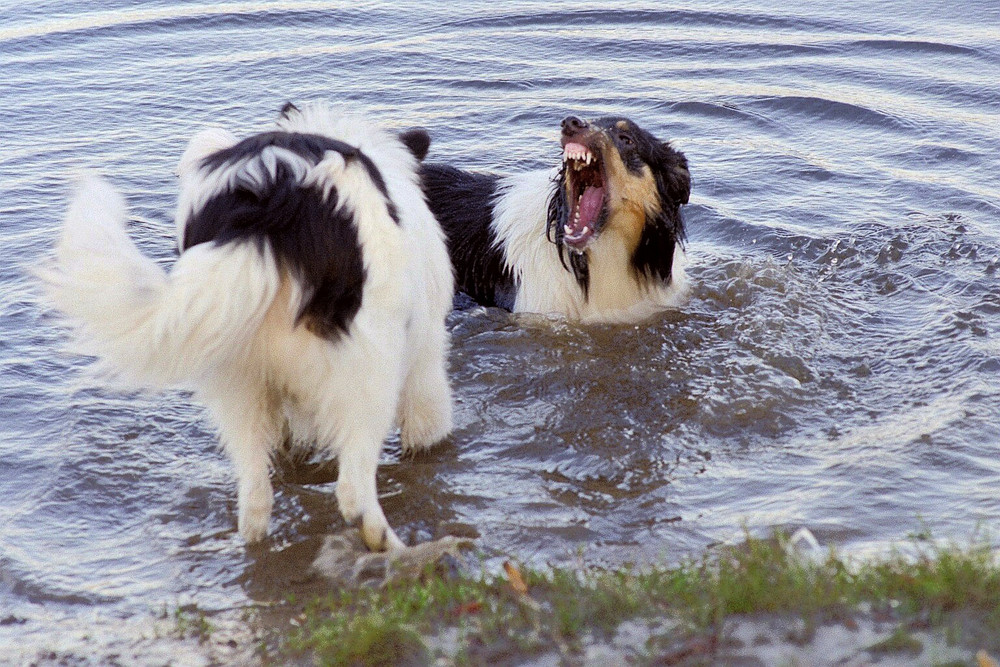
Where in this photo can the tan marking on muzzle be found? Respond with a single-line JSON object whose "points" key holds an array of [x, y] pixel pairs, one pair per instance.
{"points": [[630, 196]]}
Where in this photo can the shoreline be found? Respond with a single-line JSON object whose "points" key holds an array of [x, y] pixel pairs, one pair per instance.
{"points": [[762, 602]]}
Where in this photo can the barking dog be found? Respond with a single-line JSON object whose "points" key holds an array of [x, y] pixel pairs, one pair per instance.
{"points": [[598, 240], [311, 291]]}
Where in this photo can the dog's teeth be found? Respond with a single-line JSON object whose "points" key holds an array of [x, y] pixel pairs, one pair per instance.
{"points": [[585, 230], [567, 229]]}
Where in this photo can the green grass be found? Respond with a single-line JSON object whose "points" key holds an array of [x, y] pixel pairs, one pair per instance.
{"points": [[489, 621], [941, 581], [191, 621], [900, 641]]}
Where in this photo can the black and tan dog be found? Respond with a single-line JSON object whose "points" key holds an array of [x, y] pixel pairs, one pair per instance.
{"points": [[598, 239]]}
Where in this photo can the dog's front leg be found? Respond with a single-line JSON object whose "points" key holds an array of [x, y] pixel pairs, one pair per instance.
{"points": [[358, 496]]}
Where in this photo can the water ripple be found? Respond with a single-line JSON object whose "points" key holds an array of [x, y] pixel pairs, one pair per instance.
{"points": [[834, 368]]}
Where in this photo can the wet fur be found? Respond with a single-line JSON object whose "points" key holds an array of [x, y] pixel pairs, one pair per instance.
{"points": [[505, 234], [310, 296]]}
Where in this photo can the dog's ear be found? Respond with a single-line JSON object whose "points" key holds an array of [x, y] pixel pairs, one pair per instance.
{"points": [[287, 110], [677, 176], [418, 141]]}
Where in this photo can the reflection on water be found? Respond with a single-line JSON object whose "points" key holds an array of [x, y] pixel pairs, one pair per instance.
{"points": [[834, 369]]}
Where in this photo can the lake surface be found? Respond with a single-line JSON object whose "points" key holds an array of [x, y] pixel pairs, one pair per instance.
{"points": [[836, 367]]}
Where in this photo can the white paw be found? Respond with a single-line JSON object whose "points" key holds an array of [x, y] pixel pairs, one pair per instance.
{"points": [[255, 501], [253, 524], [377, 534]]}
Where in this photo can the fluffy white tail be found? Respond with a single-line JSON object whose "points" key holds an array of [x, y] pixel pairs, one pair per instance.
{"points": [[147, 327]]}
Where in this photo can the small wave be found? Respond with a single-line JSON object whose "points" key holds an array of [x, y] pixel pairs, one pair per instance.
{"points": [[663, 17], [907, 46], [827, 109], [727, 111], [741, 47], [489, 84], [28, 587], [171, 16], [926, 152]]}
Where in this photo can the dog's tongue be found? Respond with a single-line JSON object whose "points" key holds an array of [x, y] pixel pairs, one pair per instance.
{"points": [[585, 217], [590, 206]]}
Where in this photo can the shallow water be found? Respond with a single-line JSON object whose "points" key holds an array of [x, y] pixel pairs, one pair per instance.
{"points": [[835, 368]]}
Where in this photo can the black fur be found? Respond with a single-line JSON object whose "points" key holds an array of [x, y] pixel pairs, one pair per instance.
{"points": [[557, 217], [311, 147], [664, 232], [418, 141], [462, 202], [309, 237]]}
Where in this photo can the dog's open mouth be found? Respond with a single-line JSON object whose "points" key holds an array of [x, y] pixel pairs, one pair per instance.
{"points": [[584, 174]]}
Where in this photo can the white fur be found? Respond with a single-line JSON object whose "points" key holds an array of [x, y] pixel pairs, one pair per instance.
{"points": [[545, 286], [222, 322]]}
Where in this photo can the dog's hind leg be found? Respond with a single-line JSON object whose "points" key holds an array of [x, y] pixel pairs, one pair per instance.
{"points": [[251, 429], [425, 411]]}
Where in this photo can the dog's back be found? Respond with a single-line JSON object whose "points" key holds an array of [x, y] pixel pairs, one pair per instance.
{"points": [[274, 197]]}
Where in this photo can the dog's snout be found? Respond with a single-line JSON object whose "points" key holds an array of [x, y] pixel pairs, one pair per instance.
{"points": [[572, 125]]}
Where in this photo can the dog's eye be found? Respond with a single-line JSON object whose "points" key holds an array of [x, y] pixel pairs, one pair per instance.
{"points": [[626, 139]]}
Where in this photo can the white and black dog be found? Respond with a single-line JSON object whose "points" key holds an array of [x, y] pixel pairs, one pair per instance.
{"points": [[309, 299], [600, 239]]}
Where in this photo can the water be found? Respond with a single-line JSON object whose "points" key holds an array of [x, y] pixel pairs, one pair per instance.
{"points": [[835, 369]]}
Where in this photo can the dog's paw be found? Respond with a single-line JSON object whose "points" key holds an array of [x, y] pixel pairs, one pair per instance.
{"points": [[375, 530], [255, 503], [253, 525], [377, 534]]}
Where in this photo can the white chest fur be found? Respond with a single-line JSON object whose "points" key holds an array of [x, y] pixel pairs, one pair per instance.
{"points": [[616, 293]]}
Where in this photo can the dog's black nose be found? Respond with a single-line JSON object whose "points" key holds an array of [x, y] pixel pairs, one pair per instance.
{"points": [[572, 125]]}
